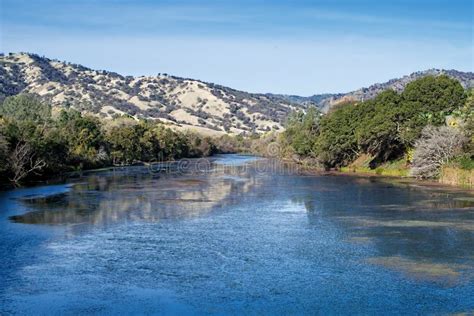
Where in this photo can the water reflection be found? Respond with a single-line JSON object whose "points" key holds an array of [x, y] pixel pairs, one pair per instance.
{"points": [[397, 219], [132, 194], [245, 237], [424, 234]]}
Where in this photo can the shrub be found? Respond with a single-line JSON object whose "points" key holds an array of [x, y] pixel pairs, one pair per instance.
{"points": [[436, 147], [464, 162]]}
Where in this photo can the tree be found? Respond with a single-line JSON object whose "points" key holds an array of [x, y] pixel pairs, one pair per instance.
{"points": [[384, 128], [378, 133], [83, 135], [467, 116], [337, 143], [174, 145], [124, 142], [436, 147], [302, 130], [34, 143], [25, 107], [3, 154], [200, 146], [427, 101], [3, 147], [23, 162]]}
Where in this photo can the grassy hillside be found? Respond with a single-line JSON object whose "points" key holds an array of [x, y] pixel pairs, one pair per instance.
{"points": [[182, 103]]}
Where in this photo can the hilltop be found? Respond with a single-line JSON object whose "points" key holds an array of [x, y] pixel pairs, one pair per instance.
{"points": [[180, 102], [325, 101]]}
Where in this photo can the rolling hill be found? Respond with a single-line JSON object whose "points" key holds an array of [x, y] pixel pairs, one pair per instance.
{"points": [[180, 102]]}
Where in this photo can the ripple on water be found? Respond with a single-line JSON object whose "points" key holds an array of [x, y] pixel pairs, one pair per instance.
{"points": [[243, 240]]}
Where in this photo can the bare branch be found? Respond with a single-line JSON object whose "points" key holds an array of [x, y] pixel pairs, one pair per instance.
{"points": [[435, 148], [23, 162]]}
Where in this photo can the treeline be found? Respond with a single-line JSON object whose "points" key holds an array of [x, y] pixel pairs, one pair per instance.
{"points": [[36, 142], [429, 124]]}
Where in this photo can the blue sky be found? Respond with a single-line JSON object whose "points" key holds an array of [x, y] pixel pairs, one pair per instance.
{"points": [[293, 47]]}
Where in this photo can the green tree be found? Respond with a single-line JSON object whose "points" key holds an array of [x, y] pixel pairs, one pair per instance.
{"points": [[302, 130], [174, 145], [124, 141], [337, 143], [25, 107], [377, 134], [427, 101], [466, 114], [83, 135]]}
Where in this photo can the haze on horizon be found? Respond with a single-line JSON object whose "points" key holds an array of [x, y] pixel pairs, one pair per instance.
{"points": [[292, 47]]}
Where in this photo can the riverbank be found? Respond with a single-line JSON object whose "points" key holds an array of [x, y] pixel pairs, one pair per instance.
{"points": [[60, 177], [457, 176], [449, 176]]}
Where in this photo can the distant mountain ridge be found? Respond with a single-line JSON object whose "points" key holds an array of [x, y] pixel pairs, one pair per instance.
{"points": [[180, 102], [325, 101]]}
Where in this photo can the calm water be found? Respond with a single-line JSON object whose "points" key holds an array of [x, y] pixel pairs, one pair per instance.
{"points": [[233, 235]]}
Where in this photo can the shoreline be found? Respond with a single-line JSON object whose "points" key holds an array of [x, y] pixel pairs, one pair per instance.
{"points": [[432, 183], [305, 170]]}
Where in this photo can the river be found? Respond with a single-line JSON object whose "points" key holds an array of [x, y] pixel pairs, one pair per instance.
{"points": [[235, 235]]}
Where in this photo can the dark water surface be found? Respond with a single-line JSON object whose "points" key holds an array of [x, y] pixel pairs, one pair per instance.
{"points": [[233, 235]]}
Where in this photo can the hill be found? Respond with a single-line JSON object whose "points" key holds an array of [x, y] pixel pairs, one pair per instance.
{"points": [[180, 102], [325, 101]]}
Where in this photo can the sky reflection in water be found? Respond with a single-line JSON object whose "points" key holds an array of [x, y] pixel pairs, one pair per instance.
{"points": [[244, 235]]}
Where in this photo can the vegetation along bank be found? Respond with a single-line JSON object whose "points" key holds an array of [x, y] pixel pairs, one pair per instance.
{"points": [[426, 132]]}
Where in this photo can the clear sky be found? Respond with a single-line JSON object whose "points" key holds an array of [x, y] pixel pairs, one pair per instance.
{"points": [[294, 47]]}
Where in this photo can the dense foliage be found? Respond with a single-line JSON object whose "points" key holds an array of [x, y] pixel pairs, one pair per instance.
{"points": [[302, 130], [35, 142], [384, 128]]}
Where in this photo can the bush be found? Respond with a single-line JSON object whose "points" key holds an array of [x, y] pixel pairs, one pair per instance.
{"points": [[464, 162], [435, 148]]}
